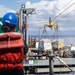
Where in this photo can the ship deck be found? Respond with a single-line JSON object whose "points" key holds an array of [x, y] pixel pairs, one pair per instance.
{"points": [[41, 67]]}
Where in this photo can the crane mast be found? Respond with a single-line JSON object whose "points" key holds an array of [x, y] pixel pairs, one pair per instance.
{"points": [[23, 14]]}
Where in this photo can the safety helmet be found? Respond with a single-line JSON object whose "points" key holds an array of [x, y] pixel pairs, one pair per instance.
{"points": [[10, 18]]}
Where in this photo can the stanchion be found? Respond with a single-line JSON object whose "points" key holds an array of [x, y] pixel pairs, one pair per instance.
{"points": [[51, 65]]}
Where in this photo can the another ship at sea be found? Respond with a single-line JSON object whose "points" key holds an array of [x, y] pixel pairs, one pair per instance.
{"points": [[50, 56]]}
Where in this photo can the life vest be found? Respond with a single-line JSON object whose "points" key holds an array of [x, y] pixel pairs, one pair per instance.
{"points": [[11, 50]]}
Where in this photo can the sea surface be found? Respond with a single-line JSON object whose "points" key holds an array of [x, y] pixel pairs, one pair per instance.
{"points": [[68, 39]]}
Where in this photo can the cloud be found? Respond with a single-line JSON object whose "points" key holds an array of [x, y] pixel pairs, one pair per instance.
{"points": [[4, 10], [64, 11]]}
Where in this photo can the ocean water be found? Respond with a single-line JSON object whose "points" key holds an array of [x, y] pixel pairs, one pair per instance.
{"points": [[68, 39]]}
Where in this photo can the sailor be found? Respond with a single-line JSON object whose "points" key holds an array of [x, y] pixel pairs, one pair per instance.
{"points": [[11, 47]]}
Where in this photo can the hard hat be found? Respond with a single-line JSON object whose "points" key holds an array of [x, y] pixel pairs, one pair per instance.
{"points": [[10, 18]]}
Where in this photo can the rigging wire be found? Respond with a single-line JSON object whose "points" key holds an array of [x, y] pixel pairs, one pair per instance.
{"points": [[44, 33], [60, 20], [57, 32], [64, 6], [65, 16], [64, 11], [55, 5]]}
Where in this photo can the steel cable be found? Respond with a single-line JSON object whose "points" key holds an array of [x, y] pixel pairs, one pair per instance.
{"points": [[65, 16], [64, 10], [64, 5]]}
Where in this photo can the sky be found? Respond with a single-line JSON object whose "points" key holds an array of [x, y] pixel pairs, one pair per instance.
{"points": [[61, 11]]}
